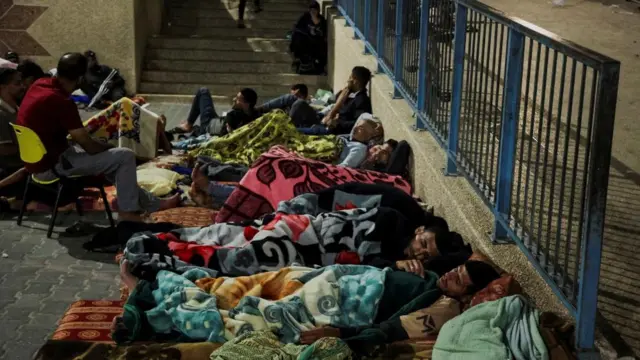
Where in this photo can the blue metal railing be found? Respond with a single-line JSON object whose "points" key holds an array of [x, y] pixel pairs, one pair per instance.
{"points": [[525, 116]]}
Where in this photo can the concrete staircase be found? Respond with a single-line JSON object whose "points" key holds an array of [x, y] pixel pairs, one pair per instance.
{"points": [[200, 46]]}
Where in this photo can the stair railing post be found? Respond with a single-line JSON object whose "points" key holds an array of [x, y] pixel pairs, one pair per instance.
{"points": [[354, 16], [460, 38], [594, 211], [423, 53], [367, 24], [508, 133], [380, 32], [399, 50]]}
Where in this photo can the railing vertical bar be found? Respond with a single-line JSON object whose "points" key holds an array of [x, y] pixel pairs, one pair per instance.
{"points": [[596, 203], [380, 33], [484, 84], [530, 151], [399, 50], [354, 15], [523, 133], [367, 25], [474, 104], [448, 70], [546, 158], [468, 122], [574, 175], [493, 143], [565, 158], [538, 148], [460, 38], [556, 141], [509, 128], [423, 54], [441, 44]]}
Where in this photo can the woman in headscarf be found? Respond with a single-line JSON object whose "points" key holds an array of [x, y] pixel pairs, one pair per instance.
{"points": [[309, 42]]}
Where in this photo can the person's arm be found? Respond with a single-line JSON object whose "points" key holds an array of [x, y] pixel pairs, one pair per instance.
{"points": [[356, 155], [342, 98], [281, 102], [70, 120], [14, 178]]}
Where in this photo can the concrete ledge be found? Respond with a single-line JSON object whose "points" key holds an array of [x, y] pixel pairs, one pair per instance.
{"points": [[452, 197]]}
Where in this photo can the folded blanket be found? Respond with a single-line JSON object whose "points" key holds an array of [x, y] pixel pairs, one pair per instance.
{"points": [[280, 176], [259, 345], [339, 296], [272, 243], [501, 329], [244, 145]]}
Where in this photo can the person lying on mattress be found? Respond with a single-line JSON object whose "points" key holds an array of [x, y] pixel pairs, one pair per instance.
{"points": [[245, 145], [395, 323], [355, 302]]}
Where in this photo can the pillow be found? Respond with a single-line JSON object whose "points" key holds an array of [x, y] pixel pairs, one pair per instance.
{"points": [[497, 289], [345, 201], [158, 181], [428, 321]]}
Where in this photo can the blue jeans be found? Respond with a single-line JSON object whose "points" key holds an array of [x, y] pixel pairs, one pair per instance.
{"points": [[202, 106], [315, 130]]}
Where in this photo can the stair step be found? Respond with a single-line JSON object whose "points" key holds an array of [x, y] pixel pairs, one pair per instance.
{"points": [[230, 78], [224, 32], [181, 98], [206, 14], [215, 55], [265, 92], [217, 67], [270, 6], [228, 23], [239, 44]]}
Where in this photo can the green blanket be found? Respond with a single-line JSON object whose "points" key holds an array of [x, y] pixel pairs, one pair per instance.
{"points": [[495, 330]]}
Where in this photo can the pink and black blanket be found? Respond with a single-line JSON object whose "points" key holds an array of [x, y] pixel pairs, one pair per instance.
{"points": [[279, 175]]}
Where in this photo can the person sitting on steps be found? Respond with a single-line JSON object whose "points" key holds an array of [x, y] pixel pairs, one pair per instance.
{"points": [[48, 110]]}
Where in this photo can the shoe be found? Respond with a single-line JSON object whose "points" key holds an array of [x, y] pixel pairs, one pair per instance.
{"points": [[241, 24]]}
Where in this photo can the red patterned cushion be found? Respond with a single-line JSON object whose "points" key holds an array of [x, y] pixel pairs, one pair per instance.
{"points": [[88, 320]]}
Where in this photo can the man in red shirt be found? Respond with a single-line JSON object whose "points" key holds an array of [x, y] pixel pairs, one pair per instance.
{"points": [[48, 110]]}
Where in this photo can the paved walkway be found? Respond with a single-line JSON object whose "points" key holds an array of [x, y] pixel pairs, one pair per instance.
{"points": [[40, 277]]}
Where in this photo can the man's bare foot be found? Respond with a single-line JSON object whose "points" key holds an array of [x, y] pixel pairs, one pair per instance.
{"points": [[199, 179], [186, 126], [126, 276], [170, 203]]}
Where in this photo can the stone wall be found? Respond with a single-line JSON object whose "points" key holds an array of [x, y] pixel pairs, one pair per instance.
{"points": [[116, 30]]}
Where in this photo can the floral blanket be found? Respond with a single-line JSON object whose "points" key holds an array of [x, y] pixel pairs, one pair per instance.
{"points": [[342, 237], [125, 124], [279, 175], [244, 145], [286, 303]]}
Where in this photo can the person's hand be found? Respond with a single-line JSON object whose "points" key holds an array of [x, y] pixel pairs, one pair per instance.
{"points": [[311, 336], [412, 266], [326, 120]]}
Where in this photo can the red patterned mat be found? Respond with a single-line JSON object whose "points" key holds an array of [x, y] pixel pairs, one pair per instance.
{"points": [[88, 320]]}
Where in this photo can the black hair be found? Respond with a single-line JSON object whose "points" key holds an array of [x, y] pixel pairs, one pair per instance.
{"points": [[314, 5], [12, 56], [90, 54], [362, 74], [481, 274], [28, 68], [6, 74], [393, 143], [72, 66], [250, 96], [302, 89]]}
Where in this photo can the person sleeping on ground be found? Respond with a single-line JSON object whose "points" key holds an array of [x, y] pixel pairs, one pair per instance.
{"points": [[244, 145], [364, 303], [377, 236], [48, 110]]}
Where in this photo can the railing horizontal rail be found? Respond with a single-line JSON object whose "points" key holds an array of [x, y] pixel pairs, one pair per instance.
{"points": [[525, 115]]}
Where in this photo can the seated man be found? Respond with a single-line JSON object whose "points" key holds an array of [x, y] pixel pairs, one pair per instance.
{"points": [[352, 102], [302, 114], [11, 91], [48, 110], [395, 323], [96, 75], [203, 107]]}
